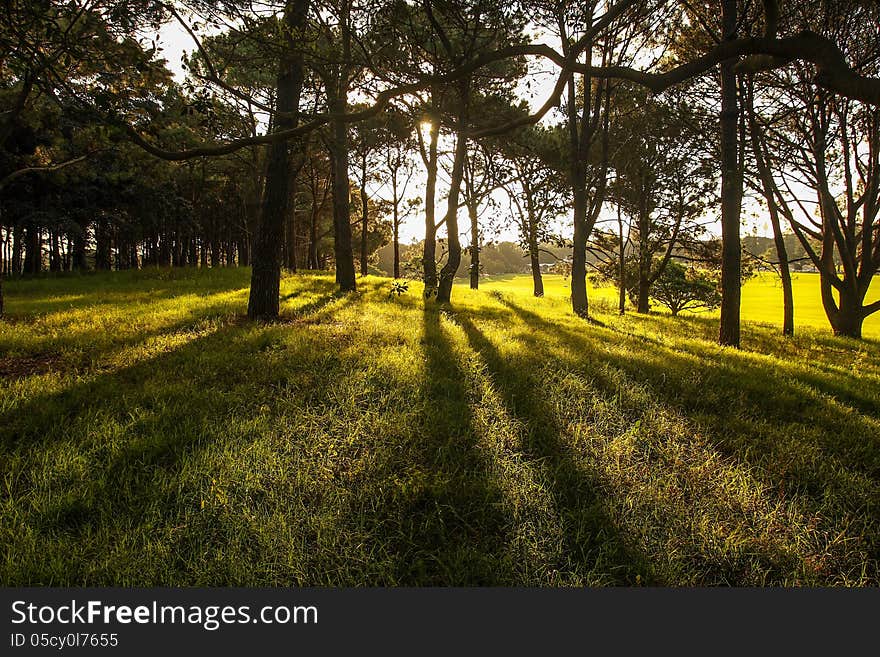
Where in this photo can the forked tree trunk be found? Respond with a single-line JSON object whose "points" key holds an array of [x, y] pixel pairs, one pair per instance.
{"points": [[447, 274], [847, 315]]}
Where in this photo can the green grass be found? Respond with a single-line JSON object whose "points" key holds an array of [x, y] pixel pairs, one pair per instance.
{"points": [[149, 435], [761, 302]]}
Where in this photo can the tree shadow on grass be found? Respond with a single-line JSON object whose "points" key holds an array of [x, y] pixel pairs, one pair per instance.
{"points": [[111, 465], [594, 547], [829, 378], [442, 523], [807, 448], [106, 288]]}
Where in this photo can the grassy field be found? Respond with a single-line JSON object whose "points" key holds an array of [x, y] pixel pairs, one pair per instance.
{"points": [[761, 302], [150, 435]]}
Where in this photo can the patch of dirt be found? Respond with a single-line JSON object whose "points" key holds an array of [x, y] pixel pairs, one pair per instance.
{"points": [[19, 367]]}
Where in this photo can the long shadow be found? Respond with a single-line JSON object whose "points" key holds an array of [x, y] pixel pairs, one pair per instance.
{"points": [[593, 542], [442, 523], [825, 378], [730, 403], [729, 392], [154, 418]]}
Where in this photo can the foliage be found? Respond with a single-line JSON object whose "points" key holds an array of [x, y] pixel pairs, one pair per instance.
{"points": [[687, 288]]}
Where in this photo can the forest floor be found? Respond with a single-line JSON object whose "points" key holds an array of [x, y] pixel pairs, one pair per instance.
{"points": [[150, 435]]}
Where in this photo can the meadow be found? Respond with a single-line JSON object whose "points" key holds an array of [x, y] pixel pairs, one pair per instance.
{"points": [[151, 435]]}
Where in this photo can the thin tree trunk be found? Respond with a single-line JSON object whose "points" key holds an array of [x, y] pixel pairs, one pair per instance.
{"points": [[429, 252], [364, 214], [621, 265], [475, 246], [396, 226], [731, 192]]}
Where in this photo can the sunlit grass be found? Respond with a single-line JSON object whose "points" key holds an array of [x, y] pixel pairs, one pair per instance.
{"points": [[149, 434], [761, 300]]}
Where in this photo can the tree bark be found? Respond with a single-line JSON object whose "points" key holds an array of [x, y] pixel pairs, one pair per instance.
{"points": [[475, 246], [264, 302], [847, 316], [731, 191], [396, 226], [364, 214], [429, 251], [17, 245], [621, 265], [447, 274], [579, 301], [534, 253], [342, 250]]}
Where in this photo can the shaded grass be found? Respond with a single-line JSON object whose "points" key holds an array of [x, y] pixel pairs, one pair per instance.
{"points": [[367, 440]]}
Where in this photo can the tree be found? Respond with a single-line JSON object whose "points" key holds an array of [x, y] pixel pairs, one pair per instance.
{"points": [[662, 180], [263, 302], [767, 188], [828, 145], [679, 288], [535, 190]]}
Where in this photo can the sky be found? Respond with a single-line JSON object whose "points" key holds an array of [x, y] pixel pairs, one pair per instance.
{"points": [[175, 42]]}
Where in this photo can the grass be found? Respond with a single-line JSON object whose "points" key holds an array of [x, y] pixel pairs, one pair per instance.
{"points": [[761, 302], [149, 435]]}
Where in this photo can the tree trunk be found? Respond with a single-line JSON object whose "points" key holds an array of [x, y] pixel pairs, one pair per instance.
{"points": [[846, 317], [534, 252], [313, 238], [263, 302], [54, 251], [447, 274], [364, 214], [33, 253], [731, 192], [343, 253], [621, 265], [579, 302], [79, 247], [395, 227], [17, 245], [475, 247], [429, 252], [537, 279]]}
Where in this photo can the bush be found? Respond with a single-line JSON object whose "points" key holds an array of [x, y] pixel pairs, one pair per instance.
{"points": [[680, 288]]}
